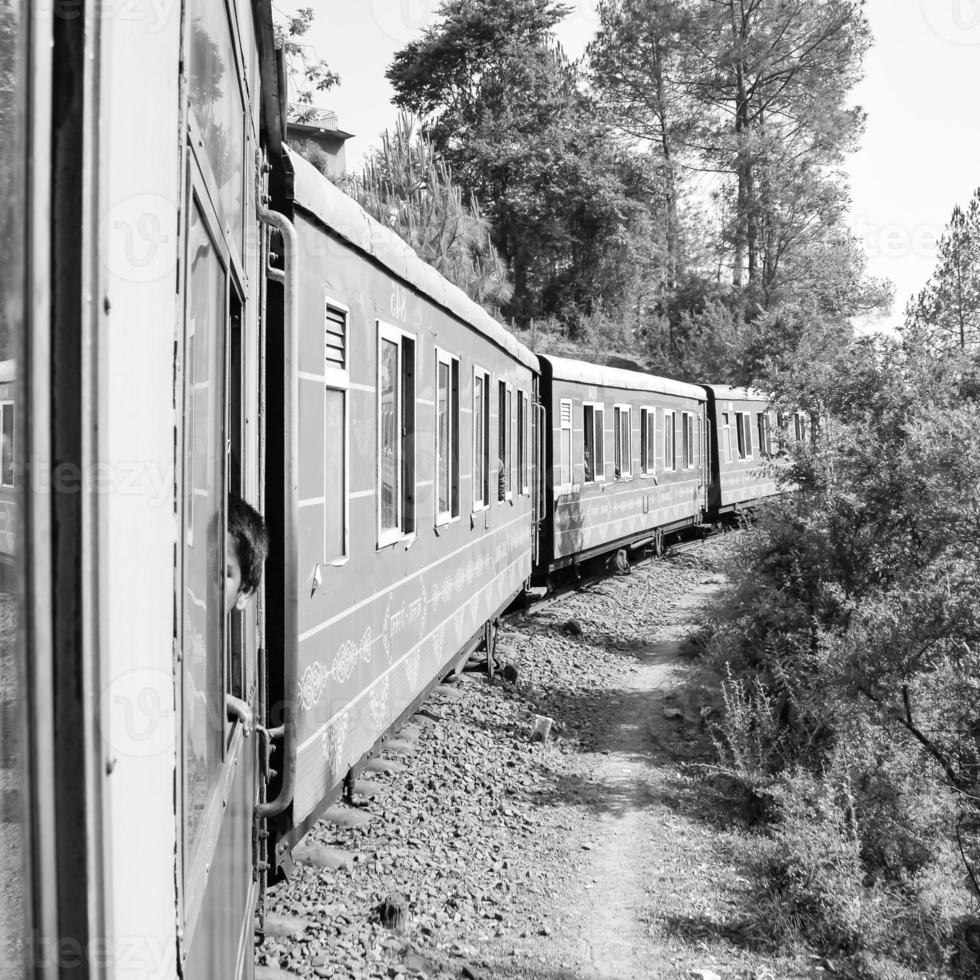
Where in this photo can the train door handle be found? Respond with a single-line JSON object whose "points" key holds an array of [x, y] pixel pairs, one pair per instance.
{"points": [[267, 748]]}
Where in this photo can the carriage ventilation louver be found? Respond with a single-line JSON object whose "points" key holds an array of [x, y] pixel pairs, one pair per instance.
{"points": [[336, 338]]}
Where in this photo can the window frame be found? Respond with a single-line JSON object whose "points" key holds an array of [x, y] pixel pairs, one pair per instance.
{"points": [[670, 466], [598, 424], [191, 849], [687, 441], [443, 518], [505, 439], [618, 409], [523, 442], [648, 440], [799, 427], [726, 428], [565, 486], [338, 379], [480, 504], [388, 536], [743, 422], [764, 424]]}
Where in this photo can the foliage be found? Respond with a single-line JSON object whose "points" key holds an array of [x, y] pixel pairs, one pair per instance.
{"points": [[755, 93], [813, 888], [848, 654], [946, 313], [407, 186], [307, 74], [744, 110], [570, 209]]}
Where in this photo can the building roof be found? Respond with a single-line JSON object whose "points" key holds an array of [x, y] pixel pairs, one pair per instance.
{"points": [[349, 221]]}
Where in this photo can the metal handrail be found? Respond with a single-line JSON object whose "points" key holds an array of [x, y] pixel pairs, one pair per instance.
{"points": [[288, 277]]}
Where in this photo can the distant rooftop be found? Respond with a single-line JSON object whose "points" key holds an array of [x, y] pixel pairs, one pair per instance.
{"points": [[302, 115], [317, 134]]}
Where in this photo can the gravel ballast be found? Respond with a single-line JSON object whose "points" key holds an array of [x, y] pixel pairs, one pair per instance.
{"points": [[488, 854]]}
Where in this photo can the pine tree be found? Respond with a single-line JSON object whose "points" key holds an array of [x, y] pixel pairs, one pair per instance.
{"points": [[755, 93], [407, 186], [946, 313]]}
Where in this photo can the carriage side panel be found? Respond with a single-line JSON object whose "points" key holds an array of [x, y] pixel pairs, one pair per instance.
{"points": [[403, 557]]}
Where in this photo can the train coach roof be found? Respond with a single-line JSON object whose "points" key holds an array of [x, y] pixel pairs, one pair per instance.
{"points": [[742, 394], [349, 221], [565, 369]]}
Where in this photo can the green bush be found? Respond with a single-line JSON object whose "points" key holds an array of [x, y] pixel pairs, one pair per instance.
{"points": [[846, 659]]}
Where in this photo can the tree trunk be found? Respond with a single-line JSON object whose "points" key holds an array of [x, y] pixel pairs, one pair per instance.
{"points": [[744, 235], [671, 229]]}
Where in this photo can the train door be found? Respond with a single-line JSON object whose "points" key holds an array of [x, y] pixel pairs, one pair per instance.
{"points": [[704, 460], [217, 382], [538, 511]]}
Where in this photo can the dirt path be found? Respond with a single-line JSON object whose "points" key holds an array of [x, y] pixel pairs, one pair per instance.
{"points": [[622, 850]]}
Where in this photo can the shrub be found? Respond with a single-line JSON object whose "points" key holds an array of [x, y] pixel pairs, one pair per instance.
{"points": [[847, 663]]}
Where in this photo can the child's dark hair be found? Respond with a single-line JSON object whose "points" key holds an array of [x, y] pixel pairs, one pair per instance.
{"points": [[248, 531]]}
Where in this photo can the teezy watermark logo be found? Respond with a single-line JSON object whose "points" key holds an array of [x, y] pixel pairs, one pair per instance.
{"points": [[401, 20], [955, 21], [141, 236], [138, 713]]}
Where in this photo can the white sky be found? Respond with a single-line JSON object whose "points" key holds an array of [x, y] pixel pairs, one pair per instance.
{"points": [[919, 157]]}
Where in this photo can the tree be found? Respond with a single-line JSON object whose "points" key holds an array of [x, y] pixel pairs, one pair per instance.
{"points": [[505, 107], [947, 310], [307, 73], [409, 188], [753, 91]]}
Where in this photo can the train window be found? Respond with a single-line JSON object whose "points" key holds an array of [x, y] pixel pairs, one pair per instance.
{"points": [[505, 424], [670, 458], [335, 395], [396, 434], [216, 100], [687, 436], [726, 436], [594, 453], [203, 616], [6, 444], [454, 419], [765, 438], [623, 418], [565, 443], [744, 432], [799, 426], [481, 439], [447, 437], [648, 428], [522, 442]]}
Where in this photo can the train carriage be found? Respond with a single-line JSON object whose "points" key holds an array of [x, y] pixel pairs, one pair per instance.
{"points": [[745, 442], [628, 459], [413, 500]]}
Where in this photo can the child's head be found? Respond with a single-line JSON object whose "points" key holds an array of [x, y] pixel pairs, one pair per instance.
{"points": [[246, 549]]}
